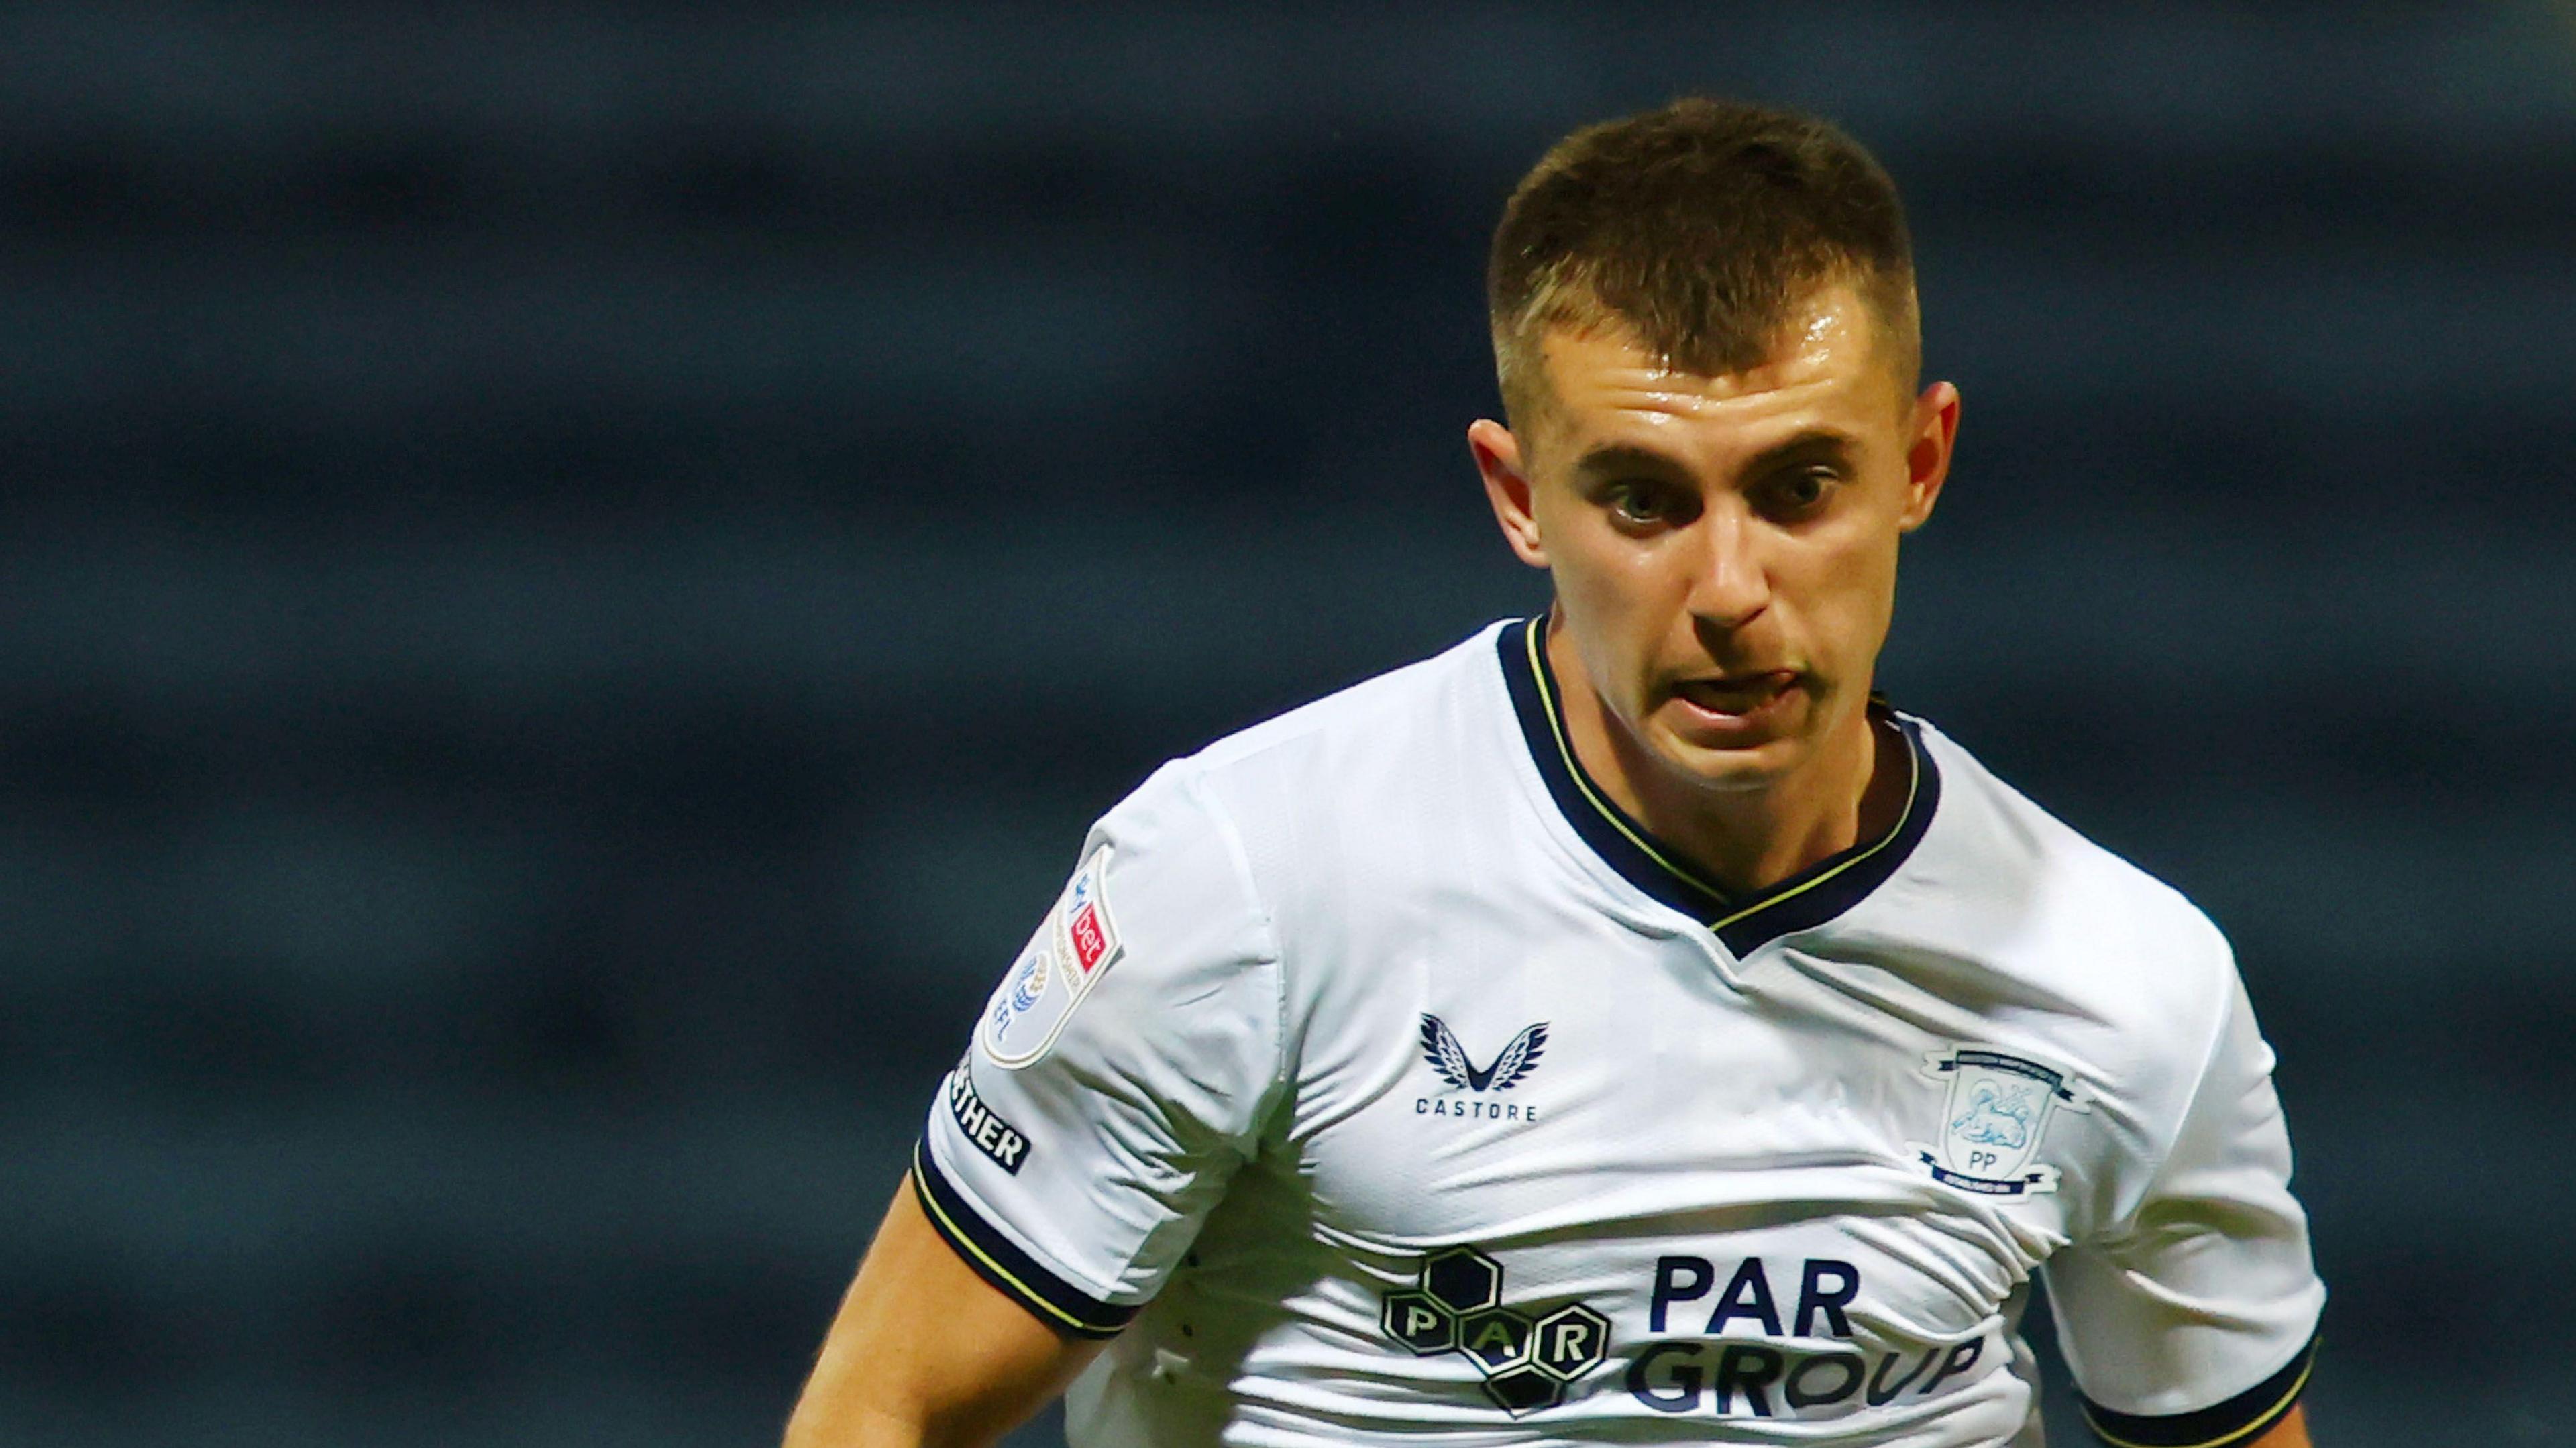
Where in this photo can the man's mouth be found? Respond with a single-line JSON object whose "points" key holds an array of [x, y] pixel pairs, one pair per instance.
{"points": [[1736, 694]]}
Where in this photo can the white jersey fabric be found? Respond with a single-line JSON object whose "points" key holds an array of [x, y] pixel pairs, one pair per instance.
{"points": [[1375, 1081]]}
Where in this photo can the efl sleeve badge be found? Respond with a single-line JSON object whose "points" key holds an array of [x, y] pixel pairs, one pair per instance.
{"points": [[1074, 945]]}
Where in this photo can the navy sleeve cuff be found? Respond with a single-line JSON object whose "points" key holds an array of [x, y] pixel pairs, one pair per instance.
{"points": [[2240, 1419], [1048, 1297]]}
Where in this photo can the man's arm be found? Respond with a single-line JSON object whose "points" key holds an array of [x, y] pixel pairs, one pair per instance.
{"points": [[925, 1354], [2290, 1432]]}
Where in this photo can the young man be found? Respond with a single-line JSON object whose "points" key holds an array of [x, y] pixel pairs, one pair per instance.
{"points": [[1622, 1028]]}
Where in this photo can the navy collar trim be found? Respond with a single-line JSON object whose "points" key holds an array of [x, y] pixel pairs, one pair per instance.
{"points": [[1743, 924]]}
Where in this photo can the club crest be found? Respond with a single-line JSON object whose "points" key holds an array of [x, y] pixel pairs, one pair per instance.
{"points": [[1448, 1058], [1057, 968], [1993, 1120]]}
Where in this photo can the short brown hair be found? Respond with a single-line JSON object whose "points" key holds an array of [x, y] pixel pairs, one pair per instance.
{"points": [[1699, 226]]}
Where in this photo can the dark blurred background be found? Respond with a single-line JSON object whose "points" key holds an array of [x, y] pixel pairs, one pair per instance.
{"points": [[570, 577]]}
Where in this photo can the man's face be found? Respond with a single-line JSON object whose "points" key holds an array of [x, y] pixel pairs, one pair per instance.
{"points": [[1724, 548]]}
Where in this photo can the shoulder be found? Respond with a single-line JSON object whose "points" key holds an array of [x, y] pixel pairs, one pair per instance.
{"points": [[2077, 956], [1386, 716], [2027, 895], [1374, 750], [2035, 871], [1366, 749]]}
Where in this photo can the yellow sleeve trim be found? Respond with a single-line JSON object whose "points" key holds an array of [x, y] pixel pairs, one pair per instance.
{"points": [[2270, 1419], [956, 1237]]}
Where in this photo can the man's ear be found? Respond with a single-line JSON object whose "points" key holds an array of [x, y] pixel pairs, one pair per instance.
{"points": [[1927, 452], [1507, 487]]}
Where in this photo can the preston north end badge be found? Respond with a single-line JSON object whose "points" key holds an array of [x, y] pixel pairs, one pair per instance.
{"points": [[1994, 1119]]}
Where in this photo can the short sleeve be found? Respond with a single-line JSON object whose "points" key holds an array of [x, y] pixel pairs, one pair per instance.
{"points": [[2192, 1319], [1120, 1073]]}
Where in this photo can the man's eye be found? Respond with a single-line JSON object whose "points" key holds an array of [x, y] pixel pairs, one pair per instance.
{"points": [[1638, 503], [1801, 492]]}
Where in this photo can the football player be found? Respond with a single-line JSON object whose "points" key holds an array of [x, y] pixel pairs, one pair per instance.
{"points": [[1624, 1027]]}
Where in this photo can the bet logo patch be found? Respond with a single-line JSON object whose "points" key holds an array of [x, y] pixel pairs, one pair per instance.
{"points": [[1074, 946], [1456, 1305]]}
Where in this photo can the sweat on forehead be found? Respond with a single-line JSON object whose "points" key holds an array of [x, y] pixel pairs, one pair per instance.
{"points": [[1833, 331]]}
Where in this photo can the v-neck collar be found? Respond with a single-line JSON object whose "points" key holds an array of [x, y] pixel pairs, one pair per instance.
{"points": [[1743, 923]]}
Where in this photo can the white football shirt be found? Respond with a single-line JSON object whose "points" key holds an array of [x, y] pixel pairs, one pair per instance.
{"points": [[1375, 1080]]}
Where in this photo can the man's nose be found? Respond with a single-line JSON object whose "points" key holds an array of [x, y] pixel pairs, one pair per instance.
{"points": [[1729, 585]]}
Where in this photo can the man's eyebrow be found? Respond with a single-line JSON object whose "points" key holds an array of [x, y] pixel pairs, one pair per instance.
{"points": [[1621, 457], [1816, 444]]}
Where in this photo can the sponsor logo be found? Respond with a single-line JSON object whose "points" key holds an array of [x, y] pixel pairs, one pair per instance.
{"points": [[1057, 968], [1807, 1363], [1450, 1062], [1781, 1339], [1087, 929], [1006, 1144], [1527, 1360], [1440, 1047], [1995, 1116]]}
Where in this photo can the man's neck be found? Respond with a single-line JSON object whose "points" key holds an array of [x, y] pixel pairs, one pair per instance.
{"points": [[1745, 841]]}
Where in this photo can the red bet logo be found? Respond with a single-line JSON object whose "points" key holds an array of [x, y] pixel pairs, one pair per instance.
{"points": [[1089, 944]]}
